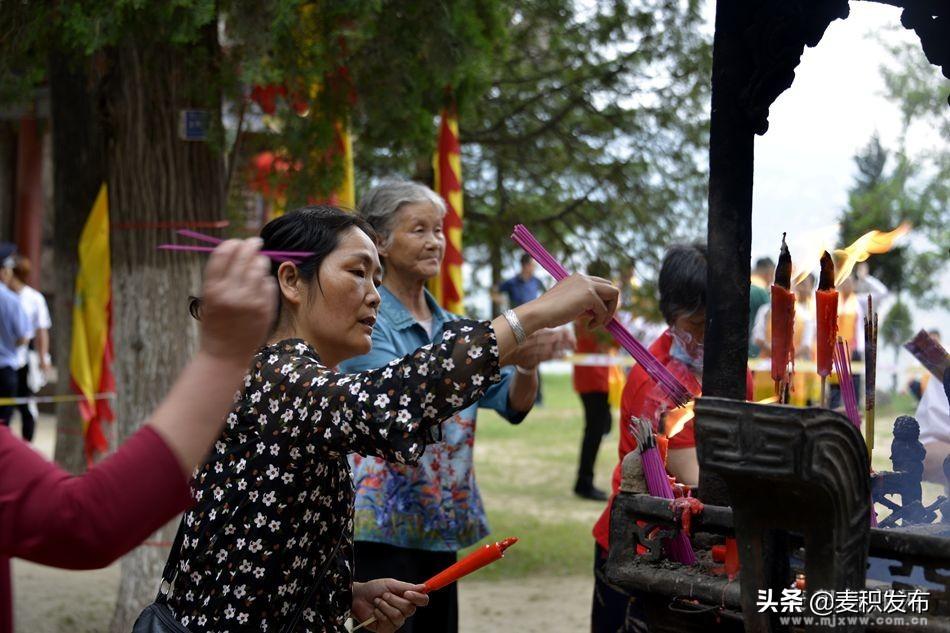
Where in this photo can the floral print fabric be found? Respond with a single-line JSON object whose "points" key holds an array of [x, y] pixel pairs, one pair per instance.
{"points": [[434, 505], [276, 495]]}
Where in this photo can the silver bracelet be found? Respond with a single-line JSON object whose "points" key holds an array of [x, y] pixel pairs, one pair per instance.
{"points": [[515, 323], [525, 372]]}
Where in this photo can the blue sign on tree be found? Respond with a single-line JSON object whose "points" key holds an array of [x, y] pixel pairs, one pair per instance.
{"points": [[193, 125]]}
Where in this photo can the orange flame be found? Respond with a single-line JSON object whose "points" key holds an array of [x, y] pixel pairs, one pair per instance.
{"points": [[807, 248], [676, 419], [871, 243]]}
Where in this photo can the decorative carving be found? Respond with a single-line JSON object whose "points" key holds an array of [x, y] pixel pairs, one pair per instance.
{"points": [[789, 470], [907, 457], [930, 20], [776, 35]]}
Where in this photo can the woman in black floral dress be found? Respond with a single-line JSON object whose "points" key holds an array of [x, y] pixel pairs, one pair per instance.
{"points": [[274, 500]]}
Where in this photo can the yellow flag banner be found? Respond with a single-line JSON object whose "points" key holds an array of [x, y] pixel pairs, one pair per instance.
{"points": [[447, 287], [90, 359], [345, 194]]}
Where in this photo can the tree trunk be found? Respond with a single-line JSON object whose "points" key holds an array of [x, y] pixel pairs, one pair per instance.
{"points": [[79, 169], [155, 176], [494, 248], [494, 260]]}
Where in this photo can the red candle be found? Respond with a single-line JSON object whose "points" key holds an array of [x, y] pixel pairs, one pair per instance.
{"points": [[662, 445], [783, 319], [473, 562], [826, 316]]}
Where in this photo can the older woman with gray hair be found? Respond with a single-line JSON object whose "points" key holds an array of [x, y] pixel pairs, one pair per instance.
{"points": [[410, 521]]}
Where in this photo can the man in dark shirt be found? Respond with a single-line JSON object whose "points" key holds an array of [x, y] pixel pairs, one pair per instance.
{"points": [[524, 286], [759, 295]]}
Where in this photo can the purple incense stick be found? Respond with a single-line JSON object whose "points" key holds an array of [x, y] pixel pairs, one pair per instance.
{"points": [[842, 361], [201, 237], [658, 483], [656, 370], [292, 256]]}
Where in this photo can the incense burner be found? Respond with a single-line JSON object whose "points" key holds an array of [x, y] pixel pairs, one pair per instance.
{"points": [[799, 505]]}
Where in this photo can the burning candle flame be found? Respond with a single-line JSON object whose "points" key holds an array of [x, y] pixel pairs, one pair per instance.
{"points": [[809, 247], [676, 419], [871, 243]]}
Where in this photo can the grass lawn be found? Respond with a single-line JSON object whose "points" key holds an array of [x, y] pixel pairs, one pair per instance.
{"points": [[526, 476]]}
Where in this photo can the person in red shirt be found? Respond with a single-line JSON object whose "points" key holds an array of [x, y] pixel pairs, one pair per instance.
{"points": [[592, 384], [682, 286], [50, 517]]}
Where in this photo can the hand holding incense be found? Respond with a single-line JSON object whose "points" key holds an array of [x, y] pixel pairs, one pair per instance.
{"points": [[826, 322], [783, 321], [656, 370], [479, 558]]}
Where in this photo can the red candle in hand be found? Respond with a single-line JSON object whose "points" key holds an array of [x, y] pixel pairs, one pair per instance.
{"points": [[473, 562], [783, 317], [826, 316]]}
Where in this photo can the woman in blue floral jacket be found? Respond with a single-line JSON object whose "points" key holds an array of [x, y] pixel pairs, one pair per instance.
{"points": [[411, 520]]}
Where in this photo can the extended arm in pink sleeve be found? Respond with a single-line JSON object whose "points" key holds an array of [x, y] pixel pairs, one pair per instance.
{"points": [[50, 517]]}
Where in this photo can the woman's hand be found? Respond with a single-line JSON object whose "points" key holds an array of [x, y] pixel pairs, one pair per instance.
{"points": [[390, 601], [237, 309], [238, 301], [543, 345], [569, 299], [594, 298]]}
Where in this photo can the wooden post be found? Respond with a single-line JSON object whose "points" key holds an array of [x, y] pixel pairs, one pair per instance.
{"points": [[730, 225], [29, 194]]}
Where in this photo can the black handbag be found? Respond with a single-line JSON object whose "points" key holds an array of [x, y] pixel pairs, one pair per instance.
{"points": [[158, 617]]}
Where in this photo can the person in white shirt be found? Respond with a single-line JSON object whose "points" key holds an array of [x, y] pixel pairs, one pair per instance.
{"points": [[33, 358], [933, 416]]}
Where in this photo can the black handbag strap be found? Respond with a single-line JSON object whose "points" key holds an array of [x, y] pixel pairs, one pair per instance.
{"points": [[174, 556], [171, 565], [316, 585]]}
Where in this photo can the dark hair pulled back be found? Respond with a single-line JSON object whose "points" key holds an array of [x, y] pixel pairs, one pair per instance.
{"points": [[314, 229]]}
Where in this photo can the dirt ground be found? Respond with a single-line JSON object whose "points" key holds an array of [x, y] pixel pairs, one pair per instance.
{"points": [[50, 600], [56, 601]]}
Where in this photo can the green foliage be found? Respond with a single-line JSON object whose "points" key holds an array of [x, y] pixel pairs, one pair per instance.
{"points": [[879, 199], [586, 121], [893, 186], [526, 476], [383, 65], [591, 131], [896, 328]]}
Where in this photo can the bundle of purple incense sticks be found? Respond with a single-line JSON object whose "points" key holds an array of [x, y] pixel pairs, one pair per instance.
{"points": [[281, 256], [842, 361], [658, 483], [673, 388]]}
